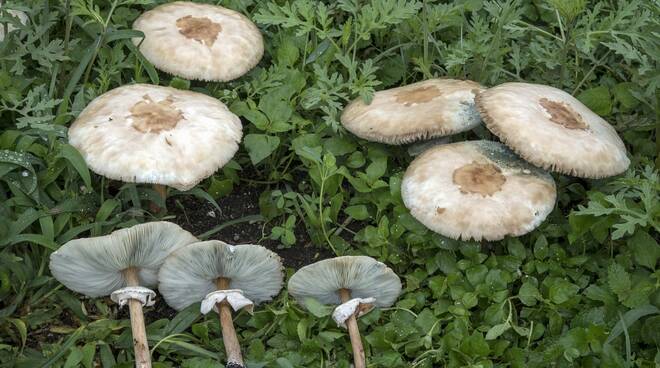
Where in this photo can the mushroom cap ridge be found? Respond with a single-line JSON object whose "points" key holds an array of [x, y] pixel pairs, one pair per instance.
{"points": [[364, 276], [477, 190], [188, 276], [422, 110], [94, 266]]}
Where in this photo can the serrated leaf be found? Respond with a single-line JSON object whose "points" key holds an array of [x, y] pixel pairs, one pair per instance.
{"points": [[618, 280]]}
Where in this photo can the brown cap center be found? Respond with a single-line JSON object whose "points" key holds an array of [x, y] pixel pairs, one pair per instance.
{"points": [[154, 117], [199, 29], [484, 179], [562, 114], [409, 97]]}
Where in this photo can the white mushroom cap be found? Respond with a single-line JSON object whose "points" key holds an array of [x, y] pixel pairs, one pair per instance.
{"points": [[160, 135], [199, 41], [188, 276], [477, 190], [22, 17], [94, 266], [363, 276], [427, 109], [553, 130]]}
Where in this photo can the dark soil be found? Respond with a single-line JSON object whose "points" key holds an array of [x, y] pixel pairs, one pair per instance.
{"points": [[199, 216]]}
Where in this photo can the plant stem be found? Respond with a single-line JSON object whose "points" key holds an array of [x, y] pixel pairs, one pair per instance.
{"points": [[101, 39], [657, 128], [162, 192], [321, 219], [140, 343], [359, 361], [232, 348]]}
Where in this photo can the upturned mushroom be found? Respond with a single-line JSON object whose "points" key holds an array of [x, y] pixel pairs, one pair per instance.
{"points": [[356, 284], [223, 277], [477, 190], [553, 130], [123, 265], [199, 41], [159, 135], [422, 110]]}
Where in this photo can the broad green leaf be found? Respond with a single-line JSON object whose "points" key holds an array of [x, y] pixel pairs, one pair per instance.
{"points": [[562, 291], [260, 146], [358, 212], [475, 345], [317, 309], [598, 99], [645, 249], [497, 330]]}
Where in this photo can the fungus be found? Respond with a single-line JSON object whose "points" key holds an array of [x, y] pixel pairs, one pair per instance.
{"points": [[222, 276], [477, 190], [355, 283], [553, 130], [159, 135], [427, 109], [123, 265], [199, 41]]}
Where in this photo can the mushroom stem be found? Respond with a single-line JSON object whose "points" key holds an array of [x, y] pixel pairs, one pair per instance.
{"points": [[140, 343], [359, 360], [162, 192], [232, 348]]}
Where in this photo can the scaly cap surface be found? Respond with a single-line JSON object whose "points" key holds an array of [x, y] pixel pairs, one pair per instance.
{"points": [[553, 130], [159, 135], [199, 41], [422, 110], [477, 190]]}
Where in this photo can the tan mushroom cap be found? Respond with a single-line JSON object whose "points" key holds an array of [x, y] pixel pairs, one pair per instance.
{"points": [[199, 41], [427, 109], [477, 190], [150, 134], [553, 130]]}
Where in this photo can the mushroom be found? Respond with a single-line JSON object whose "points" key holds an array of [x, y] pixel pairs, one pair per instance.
{"points": [[8, 27], [427, 109], [477, 190], [123, 265], [222, 276], [159, 135], [355, 283], [199, 41], [553, 130]]}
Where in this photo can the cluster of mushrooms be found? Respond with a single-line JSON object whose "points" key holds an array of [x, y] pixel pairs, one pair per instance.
{"points": [[172, 138], [167, 137], [484, 190], [142, 133], [128, 262]]}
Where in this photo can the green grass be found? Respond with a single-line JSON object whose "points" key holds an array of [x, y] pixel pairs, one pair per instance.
{"points": [[582, 290]]}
